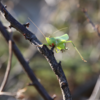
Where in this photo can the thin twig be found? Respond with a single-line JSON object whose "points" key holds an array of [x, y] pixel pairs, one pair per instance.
{"points": [[48, 54], [8, 66], [91, 22], [7, 94]]}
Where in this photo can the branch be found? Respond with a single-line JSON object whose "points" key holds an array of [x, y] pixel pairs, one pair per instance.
{"points": [[48, 54], [96, 91], [25, 65], [7, 94], [8, 67], [90, 21]]}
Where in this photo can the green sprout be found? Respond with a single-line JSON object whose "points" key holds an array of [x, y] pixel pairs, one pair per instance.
{"points": [[59, 43]]}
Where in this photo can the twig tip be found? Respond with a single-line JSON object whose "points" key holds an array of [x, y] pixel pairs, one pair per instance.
{"points": [[27, 24]]}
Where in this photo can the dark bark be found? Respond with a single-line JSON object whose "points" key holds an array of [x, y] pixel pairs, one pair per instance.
{"points": [[25, 65], [48, 54]]}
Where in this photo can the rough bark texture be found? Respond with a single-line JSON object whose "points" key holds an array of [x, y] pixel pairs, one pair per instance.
{"points": [[48, 54], [25, 65]]}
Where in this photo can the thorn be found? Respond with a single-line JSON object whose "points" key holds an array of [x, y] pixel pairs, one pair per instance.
{"points": [[24, 34], [26, 37], [5, 6], [27, 60], [52, 48], [63, 84], [54, 96], [30, 84], [10, 26], [26, 25], [39, 80], [59, 62], [4, 10]]}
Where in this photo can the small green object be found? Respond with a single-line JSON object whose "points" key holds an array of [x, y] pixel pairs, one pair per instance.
{"points": [[59, 42]]}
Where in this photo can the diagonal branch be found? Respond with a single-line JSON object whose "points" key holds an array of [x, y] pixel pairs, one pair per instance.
{"points": [[25, 65], [48, 54], [96, 91], [90, 21], [8, 66]]}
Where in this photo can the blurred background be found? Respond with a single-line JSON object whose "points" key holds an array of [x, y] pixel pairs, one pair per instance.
{"points": [[50, 16]]}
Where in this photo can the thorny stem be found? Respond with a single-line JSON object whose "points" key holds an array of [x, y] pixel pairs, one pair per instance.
{"points": [[25, 65], [48, 54]]}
